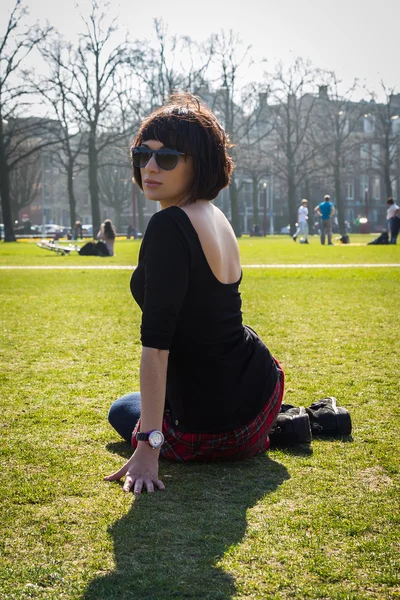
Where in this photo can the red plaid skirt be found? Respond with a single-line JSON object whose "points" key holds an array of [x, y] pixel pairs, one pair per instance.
{"points": [[243, 442]]}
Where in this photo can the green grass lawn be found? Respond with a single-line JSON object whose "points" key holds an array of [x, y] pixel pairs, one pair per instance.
{"points": [[278, 249], [321, 522]]}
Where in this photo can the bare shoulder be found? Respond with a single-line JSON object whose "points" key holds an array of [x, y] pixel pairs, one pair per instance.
{"points": [[217, 239], [209, 221]]}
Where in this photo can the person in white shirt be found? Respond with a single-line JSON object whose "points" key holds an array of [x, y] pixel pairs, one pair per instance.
{"points": [[302, 221], [393, 219]]}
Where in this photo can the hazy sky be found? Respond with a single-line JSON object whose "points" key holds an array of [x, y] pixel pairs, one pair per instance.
{"points": [[352, 37]]}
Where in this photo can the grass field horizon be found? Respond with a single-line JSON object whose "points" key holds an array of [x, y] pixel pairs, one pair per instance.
{"points": [[277, 249], [317, 522]]}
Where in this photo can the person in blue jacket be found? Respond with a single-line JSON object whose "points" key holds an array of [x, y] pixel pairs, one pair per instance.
{"points": [[326, 211]]}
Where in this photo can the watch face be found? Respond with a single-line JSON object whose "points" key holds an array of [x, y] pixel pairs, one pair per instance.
{"points": [[156, 439]]}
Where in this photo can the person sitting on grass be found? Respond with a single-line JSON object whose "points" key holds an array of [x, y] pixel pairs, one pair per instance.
{"points": [[209, 387], [107, 235]]}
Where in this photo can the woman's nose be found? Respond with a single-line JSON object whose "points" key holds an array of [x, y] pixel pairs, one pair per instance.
{"points": [[152, 165]]}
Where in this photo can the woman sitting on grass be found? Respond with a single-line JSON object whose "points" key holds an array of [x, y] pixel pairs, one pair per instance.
{"points": [[107, 235], [209, 388]]}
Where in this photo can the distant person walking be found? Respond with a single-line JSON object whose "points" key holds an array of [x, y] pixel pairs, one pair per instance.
{"points": [[107, 235], [326, 210], [302, 221], [393, 219]]}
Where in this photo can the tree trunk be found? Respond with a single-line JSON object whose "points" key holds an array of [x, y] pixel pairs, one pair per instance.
{"points": [[292, 205], [117, 213], [339, 199], [386, 173], [71, 195], [5, 191], [233, 195], [93, 183], [255, 200], [307, 190]]}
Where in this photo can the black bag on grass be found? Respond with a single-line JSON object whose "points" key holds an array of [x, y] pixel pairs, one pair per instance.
{"points": [[380, 240], [327, 418], [102, 249], [94, 249], [88, 249], [344, 239]]}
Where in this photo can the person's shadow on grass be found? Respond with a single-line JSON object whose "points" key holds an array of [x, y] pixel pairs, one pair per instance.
{"points": [[169, 544]]}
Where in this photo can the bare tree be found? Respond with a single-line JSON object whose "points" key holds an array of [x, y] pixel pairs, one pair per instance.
{"points": [[291, 113], [56, 90], [175, 63], [24, 182], [16, 44], [97, 76], [252, 150], [115, 181], [387, 128], [335, 123], [241, 109]]}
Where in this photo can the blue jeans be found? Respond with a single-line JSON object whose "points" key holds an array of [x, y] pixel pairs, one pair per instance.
{"points": [[394, 224], [124, 414]]}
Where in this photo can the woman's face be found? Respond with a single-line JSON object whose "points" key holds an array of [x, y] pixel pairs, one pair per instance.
{"points": [[169, 188]]}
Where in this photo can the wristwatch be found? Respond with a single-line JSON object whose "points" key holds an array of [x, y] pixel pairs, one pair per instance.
{"points": [[154, 438]]}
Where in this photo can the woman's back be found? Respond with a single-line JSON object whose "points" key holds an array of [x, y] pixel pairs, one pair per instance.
{"points": [[217, 240]]}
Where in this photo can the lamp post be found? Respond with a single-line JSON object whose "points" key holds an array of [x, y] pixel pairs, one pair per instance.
{"points": [[271, 202], [366, 209], [42, 193], [265, 208]]}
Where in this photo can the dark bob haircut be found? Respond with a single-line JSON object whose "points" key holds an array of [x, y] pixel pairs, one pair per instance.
{"points": [[186, 125]]}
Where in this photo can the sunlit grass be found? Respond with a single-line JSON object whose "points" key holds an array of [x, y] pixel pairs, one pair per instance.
{"points": [[307, 523], [276, 249]]}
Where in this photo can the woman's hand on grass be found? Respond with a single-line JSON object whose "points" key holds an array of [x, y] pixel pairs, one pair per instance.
{"points": [[140, 471]]}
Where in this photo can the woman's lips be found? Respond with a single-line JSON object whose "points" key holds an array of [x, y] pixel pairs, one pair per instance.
{"points": [[151, 184]]}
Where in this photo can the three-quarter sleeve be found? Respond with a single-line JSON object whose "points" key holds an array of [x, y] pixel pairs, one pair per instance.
{"points": [[166, 260]]}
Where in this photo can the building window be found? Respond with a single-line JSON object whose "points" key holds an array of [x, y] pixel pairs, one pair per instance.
{"points": [[369, 124], [364, 155], [364, 185], [376, 188], [376, 155], [349, 190], [247, 194], [395, 124]]}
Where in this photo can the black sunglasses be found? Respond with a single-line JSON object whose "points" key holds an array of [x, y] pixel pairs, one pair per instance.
{"points": [[166, 159]]}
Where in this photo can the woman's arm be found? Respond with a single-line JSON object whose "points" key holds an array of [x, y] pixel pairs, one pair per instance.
{"points": [[153, 381], [142, 468], [166, 258]]}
